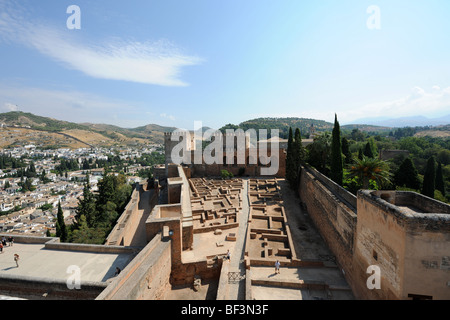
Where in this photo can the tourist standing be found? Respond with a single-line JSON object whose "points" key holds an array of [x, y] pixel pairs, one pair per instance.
{"points": [[277, 266], [16, 259]]}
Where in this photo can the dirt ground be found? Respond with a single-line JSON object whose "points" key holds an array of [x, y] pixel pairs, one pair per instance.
{"points": [[208, 291], [308, 243]]}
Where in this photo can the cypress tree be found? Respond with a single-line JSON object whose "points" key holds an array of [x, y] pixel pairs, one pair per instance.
{"points": [[440, 185], [429, 179], [299, 156], [337, 170], [61, 229], [368, 150], [346, 151], [289, 158], [360, 154], [407, 175], [86, 206]]}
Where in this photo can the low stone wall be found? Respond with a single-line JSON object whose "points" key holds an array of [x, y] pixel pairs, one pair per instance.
{"points": [[34, 288], [54, 244], [145, 277], [27, 239]]}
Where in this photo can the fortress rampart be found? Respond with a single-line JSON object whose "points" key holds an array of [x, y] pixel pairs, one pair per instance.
{"points": [[404, 234]]}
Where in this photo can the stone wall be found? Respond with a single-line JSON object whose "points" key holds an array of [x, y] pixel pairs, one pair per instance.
{"points": [[146, 277], [406, 235], [124, 230], [34, 288], [208, 268], [332, 214], [248, 168]]}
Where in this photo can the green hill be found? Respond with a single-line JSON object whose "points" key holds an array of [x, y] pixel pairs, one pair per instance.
{"points": [[105, 134], [282, 124], [25, 119]]}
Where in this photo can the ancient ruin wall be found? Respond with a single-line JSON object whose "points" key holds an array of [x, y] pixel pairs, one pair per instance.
{"points": [[333, 215]]}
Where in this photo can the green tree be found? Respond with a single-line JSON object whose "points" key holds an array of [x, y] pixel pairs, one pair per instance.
{"points": [[96, 214], [319, 152], [290, 167], [429, 178], [369, 169], [226, 174], [346, 151], [84, 234], [300, 152], [440, 185], [360, 154], [443, 156], [337, 168], [86, 206], [106, 200], [407, 175], [298, 156], [61, 229], [368, 150]]}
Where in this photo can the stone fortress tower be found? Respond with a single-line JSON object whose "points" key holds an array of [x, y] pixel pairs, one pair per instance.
{"points": [[242, 153]]}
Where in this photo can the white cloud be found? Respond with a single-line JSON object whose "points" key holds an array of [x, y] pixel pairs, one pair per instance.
{"points": [[433, 103], [11, 106], [157, 63], [73, 106], [164, 115]]}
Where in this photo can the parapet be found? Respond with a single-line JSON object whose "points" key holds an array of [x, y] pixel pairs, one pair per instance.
{"points": [[411, 209]]}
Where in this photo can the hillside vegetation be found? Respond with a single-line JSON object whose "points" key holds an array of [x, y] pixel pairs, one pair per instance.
{"points": [[26, 128]]}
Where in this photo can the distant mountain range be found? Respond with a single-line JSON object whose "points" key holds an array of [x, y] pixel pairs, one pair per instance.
{"points": [[26, 128], [413, 121]]}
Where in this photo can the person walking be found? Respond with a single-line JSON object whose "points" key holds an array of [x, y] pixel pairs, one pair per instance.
{"points": [[228, 255], [16, 259], [1, 247], [277, 267]]}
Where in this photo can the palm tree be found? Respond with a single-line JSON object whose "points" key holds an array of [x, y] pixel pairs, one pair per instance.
{"points": [[367, 169]]}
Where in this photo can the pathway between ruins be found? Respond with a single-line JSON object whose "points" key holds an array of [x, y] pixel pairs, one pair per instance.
{"points": [[236, 289]]}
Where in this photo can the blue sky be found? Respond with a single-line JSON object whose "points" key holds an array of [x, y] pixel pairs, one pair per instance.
{"points": [[175, 62]]}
